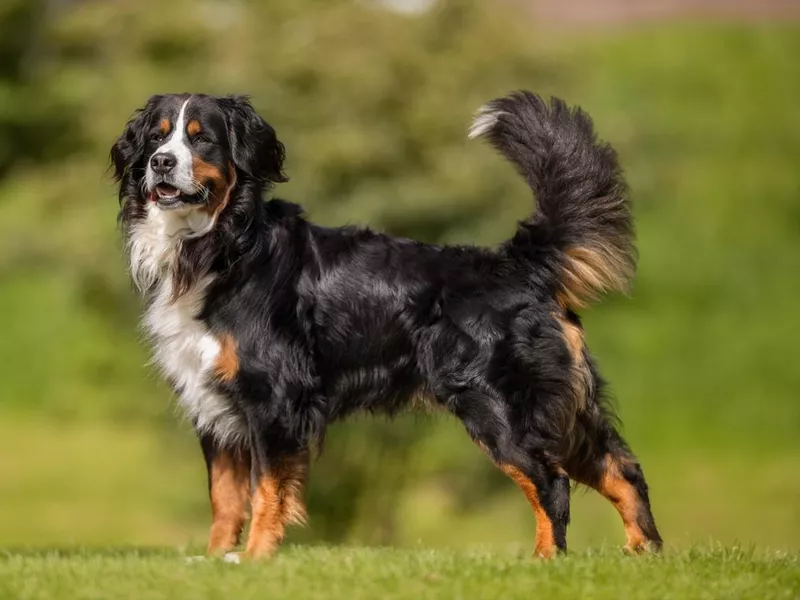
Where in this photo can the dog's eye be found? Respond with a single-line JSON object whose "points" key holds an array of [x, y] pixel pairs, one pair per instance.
{"points": [[200, 139], [156, 137]]}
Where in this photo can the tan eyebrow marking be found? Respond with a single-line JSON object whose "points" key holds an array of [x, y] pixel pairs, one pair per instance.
{"points": [[164, 126], [193, 128]]}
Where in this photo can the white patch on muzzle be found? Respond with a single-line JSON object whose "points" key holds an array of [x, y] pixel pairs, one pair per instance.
{"points": [[182, 175]]}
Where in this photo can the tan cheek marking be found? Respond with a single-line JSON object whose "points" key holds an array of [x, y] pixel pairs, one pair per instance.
{"points": [[164, 126], [227, 364], [193, 128], [219, 185], [206, 172], [221, 188]]}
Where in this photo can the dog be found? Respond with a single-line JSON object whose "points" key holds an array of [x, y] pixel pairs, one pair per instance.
{"points": [[270, 327]]}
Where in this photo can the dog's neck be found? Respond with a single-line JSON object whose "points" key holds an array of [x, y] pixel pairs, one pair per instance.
{"points": [[184, 245], [157, 242]]}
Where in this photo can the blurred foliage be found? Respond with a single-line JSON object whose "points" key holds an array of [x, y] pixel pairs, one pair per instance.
{"points": [[35, 122], [373, 108]]}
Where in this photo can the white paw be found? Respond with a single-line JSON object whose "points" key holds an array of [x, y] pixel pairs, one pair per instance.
{"points": [[232, 557]]}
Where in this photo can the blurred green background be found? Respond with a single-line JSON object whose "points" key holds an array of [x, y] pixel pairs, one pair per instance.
{"points": [[373, 106]]}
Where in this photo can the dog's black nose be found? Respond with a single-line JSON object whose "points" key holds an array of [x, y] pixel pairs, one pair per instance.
{"points": [[163, 162]]}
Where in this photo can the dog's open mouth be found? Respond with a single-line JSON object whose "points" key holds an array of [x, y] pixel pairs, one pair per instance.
{"points": [[169, 196]]}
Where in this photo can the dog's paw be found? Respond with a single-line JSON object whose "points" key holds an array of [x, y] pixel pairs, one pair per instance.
{"points": [[643, 547], [232, 557]]}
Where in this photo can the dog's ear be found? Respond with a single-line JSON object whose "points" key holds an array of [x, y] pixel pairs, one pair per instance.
{"points": [[254, 146], [129, 147]]}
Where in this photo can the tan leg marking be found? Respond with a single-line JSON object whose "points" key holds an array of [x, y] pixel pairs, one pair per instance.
{"points": [[230, 495], [626, 500], [545, 538], [277, 502]]}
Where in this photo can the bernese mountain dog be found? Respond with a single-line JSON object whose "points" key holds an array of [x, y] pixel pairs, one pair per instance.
{"points": [[270, 327]]}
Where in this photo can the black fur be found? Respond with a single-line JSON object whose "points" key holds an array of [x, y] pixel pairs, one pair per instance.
{"points": [[255, 147], [332, 321]]}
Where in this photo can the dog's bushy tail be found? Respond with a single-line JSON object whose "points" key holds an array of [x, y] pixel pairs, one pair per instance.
{"points": [[582, 229]]}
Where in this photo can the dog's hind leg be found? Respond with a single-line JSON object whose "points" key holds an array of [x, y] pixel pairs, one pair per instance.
{"points": [[547, 491], [613, 470], [545, 485], [596, 454], [509, 393]]}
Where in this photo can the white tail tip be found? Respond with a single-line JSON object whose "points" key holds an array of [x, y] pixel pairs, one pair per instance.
{"points": [[484, 120]]}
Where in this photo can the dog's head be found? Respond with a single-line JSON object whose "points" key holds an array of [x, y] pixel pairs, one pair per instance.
{"points": [[188, 153]]}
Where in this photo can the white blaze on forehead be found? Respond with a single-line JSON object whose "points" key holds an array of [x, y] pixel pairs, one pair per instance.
{"points": [[175, 140], [182, 175]]}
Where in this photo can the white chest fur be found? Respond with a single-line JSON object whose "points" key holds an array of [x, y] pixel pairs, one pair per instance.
{"points": [[184, 348]]}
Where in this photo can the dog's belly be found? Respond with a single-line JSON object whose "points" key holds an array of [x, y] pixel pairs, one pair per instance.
{"points": [[186, 351]]}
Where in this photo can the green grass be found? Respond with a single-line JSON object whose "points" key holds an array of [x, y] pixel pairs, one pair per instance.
{"points": [[353, 573]]}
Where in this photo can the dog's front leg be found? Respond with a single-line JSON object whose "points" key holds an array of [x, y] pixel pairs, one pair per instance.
{"points": [[229, 492], [278, 474]]}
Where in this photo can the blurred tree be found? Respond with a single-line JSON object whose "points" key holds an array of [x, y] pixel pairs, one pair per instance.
{"points": [[36, 125]]}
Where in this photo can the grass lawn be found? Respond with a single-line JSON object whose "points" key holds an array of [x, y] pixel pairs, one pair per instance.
{"points": [[352, 573]]}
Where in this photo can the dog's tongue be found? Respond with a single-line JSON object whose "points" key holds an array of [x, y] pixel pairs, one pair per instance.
{"points": [[166, 191]]}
